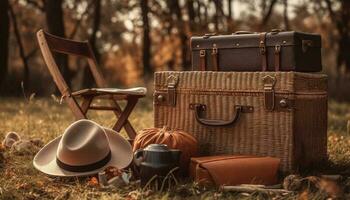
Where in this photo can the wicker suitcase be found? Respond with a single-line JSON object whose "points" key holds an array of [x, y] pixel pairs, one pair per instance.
{"points": [[278, 114]]}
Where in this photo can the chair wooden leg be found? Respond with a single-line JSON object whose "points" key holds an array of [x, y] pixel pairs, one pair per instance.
{"points": [[128, 127], [123, 117], [75, 108], [86, 104]]}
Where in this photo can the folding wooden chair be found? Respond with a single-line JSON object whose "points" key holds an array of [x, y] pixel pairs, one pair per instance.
{"points": [[49, 43]]}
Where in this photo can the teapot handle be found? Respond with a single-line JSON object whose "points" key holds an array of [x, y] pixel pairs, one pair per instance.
{"points": [[138, 157]]}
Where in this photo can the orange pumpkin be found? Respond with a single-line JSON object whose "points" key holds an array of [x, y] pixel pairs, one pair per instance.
{"points": [[175, 139]]}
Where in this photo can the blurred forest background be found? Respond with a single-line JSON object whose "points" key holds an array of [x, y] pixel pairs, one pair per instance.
{"points": [[134, 38]]}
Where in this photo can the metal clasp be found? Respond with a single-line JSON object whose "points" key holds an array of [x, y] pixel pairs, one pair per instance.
{"points": [[171, 87], [277, 49], [269, 92], [202, 53], [214, 49], [262, 48]]}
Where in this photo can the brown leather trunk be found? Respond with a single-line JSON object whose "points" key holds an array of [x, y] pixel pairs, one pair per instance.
{"points": [[245, 51], [234, 170]]}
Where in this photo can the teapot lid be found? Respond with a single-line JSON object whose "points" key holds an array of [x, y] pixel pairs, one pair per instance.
{"points": [[157, 147]]}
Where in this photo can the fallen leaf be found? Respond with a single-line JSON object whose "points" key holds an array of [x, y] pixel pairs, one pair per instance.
{"points": [[93, 182], [23, 186], [112, 172], [40, 183], [304, 195], [133, 195], [331, 188]]}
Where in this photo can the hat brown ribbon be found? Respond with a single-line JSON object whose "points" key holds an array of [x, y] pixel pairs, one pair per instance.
{"points": [[84, 168]]}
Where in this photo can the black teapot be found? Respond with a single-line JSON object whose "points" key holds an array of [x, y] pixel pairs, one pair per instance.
{"points": [[156, 160]]}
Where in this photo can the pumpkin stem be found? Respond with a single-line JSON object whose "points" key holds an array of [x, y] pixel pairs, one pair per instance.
{"points": [[164, 129]]}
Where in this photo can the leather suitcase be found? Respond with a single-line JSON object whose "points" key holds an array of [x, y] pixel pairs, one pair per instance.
{"points": [[277, 114], [234, 170], [245, 51]]}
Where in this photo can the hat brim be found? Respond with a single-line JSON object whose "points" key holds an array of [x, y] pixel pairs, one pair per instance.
{"points": [[121, 156]]}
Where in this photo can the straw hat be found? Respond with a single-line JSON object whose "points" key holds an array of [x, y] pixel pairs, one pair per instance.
{"points": [[85, 148]]}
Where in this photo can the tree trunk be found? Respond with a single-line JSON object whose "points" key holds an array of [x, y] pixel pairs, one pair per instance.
{"points": [[22, 54], [285, 15], [55, 24], [267, 14], [175, 6], [88, 80], [191, 15], [230, 9], [229, 18], [344, 33], [206, 16], [146, 48], [217, 14], [4, 38], [199, 13], [341, 22]]}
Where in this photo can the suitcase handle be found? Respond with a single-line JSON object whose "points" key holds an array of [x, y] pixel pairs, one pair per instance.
{"points": [[199, 108], [242, 32]]}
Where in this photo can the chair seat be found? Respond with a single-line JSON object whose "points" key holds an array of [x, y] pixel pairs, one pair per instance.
{"points": [[137, 91]]}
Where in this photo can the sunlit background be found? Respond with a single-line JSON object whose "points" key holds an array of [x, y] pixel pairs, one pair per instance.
{"points": [[132, 39]]}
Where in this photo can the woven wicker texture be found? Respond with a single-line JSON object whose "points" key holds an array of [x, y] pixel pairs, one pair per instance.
{"points": [[298, 136]]}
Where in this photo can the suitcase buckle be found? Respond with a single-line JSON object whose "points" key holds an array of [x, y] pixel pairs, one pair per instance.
{"points": [[277, 49], [214, 49], [262, 47], [171, 86], [269, 92], [202, 53]]}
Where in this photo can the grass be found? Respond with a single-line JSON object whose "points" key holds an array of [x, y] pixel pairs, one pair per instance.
{"points": [[46, 119]]}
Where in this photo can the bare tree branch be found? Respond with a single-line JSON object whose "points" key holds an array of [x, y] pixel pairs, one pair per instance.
{"points": [[268, 13], [36, 4], [78, 22], [96, 22], [32, 53], [330, 10], [334, 17]]}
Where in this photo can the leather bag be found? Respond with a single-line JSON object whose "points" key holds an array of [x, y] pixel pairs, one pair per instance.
{"points": [[277, 114], [234, 170], [250, 51]]}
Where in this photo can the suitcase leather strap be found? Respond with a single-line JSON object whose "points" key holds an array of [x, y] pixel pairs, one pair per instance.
{"points": [[262, 47], [214, 57], [277, 57], [202, 60]]}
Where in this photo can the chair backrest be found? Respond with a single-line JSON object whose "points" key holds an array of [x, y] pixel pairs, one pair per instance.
{"points": [[49, 43]]}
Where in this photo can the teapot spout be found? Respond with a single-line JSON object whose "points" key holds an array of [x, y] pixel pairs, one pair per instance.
{"points": [[176, 154]]}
